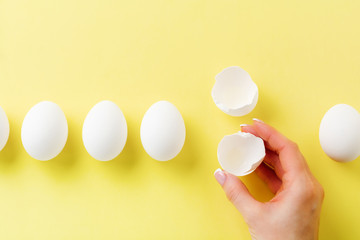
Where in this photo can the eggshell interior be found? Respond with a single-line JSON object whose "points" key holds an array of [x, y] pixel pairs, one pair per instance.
{"points": [[234, 91], [241, 153]]}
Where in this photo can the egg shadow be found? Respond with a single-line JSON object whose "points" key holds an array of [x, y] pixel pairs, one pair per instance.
{"points": [[63, 166], [352, 167], [318, 159], [8, 160], [126, 161], [186, 160]]}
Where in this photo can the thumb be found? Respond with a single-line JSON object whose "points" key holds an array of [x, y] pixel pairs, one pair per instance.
{"points": [[237, 193]]}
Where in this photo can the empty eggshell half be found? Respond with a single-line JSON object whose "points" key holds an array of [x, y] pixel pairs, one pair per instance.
{"points": [[339, 133], [4, 128], [234, 91], [104, 131], [241, 153]]}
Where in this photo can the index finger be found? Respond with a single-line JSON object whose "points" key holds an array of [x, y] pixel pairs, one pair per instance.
{"points": [[291, 160]]}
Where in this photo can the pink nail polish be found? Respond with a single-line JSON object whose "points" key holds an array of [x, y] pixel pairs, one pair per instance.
{"points": [[220, 176]]}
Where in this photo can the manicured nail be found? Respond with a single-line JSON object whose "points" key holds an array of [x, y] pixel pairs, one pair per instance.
{"points": [[243, 125], [258, 120], [220, 176]]}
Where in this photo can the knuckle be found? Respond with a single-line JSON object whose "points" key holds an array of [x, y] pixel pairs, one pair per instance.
{"points": [[321, 191], [309, 195], [232, 195], [252, 217], [312, 190], [293, 145]]}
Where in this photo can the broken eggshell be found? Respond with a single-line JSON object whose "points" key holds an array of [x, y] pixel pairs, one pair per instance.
{"points": [[241, 153], [234, 92]]}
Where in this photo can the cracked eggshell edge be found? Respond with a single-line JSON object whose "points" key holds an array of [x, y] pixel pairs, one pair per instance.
{"points": [[242, 109], [251, 164]]}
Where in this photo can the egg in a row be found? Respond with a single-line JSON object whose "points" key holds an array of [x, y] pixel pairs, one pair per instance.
{"points": [[44, 131]]}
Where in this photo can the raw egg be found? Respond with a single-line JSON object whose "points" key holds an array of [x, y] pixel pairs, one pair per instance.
{"points": [[339, 133], [44, 131], [104, 131], [162, 131]]}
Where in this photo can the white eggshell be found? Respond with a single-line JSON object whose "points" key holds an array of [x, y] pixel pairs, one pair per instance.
{"points": [[241, 153], [104, 131], [44, 131], [340, 133], [4, 128], [162, 131], [234, 91]]}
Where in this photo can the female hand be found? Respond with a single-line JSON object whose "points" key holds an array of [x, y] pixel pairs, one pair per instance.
{"points": [[294, 211]]}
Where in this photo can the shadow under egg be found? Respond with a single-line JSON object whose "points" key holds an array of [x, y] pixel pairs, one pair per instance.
{"points": [[8, 155], [122, 166], [65, 165]]}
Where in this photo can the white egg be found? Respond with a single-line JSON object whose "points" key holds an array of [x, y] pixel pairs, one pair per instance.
{"points": [[44, 131], [340, 133], [104, 131], [4, 128], [240, 153], [162, 131], [234, 92]]}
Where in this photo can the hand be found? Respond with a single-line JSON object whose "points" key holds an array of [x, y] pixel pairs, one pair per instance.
{"points": [[294, 211]]}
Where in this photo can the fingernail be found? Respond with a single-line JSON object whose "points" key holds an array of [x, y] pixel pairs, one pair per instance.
{"points": [[258, 120], [243, 125], [220, 176]]}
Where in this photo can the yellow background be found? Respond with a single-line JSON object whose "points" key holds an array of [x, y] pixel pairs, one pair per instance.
{"points": [[303, 55]]}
